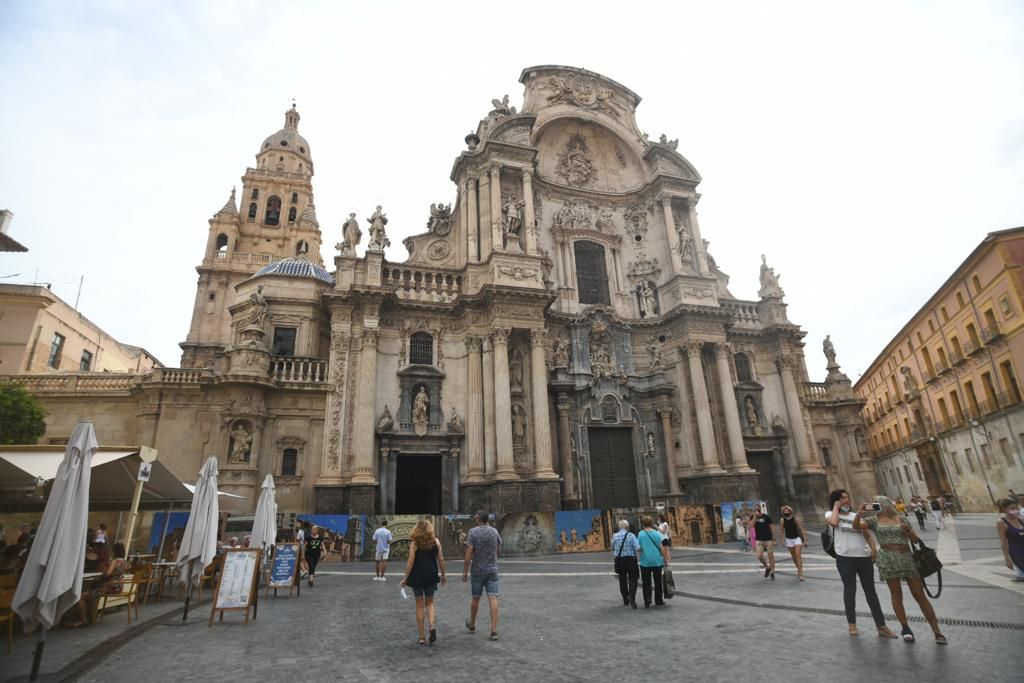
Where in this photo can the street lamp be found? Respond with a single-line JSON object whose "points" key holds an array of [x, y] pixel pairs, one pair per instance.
{"points": [[975, 426]]}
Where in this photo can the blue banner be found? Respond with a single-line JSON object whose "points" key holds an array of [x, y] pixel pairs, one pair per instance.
{"points": [[282, 571]]}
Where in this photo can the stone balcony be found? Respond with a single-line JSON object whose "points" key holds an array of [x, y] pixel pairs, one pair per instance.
{"points": [[418, 284], [299, 370]]}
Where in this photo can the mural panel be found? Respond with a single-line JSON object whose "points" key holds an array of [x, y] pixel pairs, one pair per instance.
{"points": [[580, 531], [529, 533]]}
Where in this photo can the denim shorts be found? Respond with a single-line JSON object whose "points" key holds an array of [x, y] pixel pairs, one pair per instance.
{"points": [[479, 582], [424, 591]]}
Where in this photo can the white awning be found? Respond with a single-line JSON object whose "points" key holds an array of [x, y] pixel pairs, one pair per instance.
{"points": [[192, 488], [44, 464]]}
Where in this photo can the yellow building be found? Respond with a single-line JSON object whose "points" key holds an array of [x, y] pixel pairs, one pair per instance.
{"points": [[943, 403]]}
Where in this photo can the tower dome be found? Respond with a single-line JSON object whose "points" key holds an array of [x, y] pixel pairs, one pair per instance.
{"points": [[288, 140], [296, 267]]}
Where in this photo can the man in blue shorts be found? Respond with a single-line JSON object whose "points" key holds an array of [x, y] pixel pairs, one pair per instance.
{"points": [[482, 546]]}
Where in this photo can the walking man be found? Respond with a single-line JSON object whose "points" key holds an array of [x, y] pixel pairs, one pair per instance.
{"points": [[765, 540], [382, 536], [937, 512], [482, 546]]}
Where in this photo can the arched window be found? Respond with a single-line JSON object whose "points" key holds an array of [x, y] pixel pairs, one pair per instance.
{"points": [[301, 248], [977, 284], [289, 462], [255, 194], [591, 274], [252, 212], [273, 215], [295, 197], [291, 215], [421, 349], [222, 244], [743, 370]]}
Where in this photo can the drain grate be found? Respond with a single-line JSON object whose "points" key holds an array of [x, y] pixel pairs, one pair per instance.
{"points": [[973, 623]]}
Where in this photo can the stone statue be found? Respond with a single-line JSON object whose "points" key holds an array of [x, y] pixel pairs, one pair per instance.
{"points": [[386, 422], [650, 443], [711, 259], [829, 350], [518, 424], [455, 424], [512, 216], [501, 107], [560, 352], [654, 352], [378, 238], [241, 442], [777, 424], [604, 220], [421, 412], [350, 236], [770, 288], [685, 243], [648, 301], [258, 309], [515, 369], [440, 221], [751, 410]]}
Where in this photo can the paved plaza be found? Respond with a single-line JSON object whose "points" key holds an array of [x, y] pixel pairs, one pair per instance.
{"points": [[562, 619]]}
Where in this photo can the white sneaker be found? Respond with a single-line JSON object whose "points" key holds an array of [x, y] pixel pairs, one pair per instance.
{"points": [[383, 578], [376, 578]]}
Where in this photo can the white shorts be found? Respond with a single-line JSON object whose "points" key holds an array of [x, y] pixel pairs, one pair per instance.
{"points": [[382, 556], [793, 542]]}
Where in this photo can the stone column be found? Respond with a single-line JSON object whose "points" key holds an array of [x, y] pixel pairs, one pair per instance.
{"points": [[502, 407], [542, 462], [363, 427], [496, 237], [805, 459], [483, 204], [475, 413], [565, 454], [665, 413], [737, 453], [472, 234], [671, 235], [705, 428], [490, 457], [689, 460], [698, 241], [529, 231]]}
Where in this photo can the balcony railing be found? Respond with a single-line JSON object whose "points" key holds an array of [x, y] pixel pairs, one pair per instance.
{"points": [[418, 284], [955, 358], [971, 347], [305, 370], [180, 375], [746, 313], [991, 333], [941, 367], [77, 382], [928, 375]]}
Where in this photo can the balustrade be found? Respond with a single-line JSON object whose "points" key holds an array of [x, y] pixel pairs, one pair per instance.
{"points": [[814, 391], [418, 284], [746, 313], [309, 370]]}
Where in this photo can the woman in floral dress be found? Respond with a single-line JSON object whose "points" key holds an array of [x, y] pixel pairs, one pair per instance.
{"points": [[896, 562]]}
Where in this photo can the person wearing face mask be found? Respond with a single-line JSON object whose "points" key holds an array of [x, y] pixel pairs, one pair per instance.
{"points": [[795, 537], [1011, 535], [855, 556]]}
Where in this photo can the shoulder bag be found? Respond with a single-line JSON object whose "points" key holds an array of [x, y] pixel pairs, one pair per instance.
{"points": [[927, 563], [619, 569], [828, 539]]}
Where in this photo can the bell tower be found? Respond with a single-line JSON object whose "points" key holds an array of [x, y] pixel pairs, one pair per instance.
{"points": [[274, 218]]}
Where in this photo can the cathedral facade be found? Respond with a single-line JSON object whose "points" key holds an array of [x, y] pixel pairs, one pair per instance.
{"points": [[558, 337]]}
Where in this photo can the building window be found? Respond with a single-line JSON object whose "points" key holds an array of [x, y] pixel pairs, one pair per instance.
{"points": [[743, 369], [291, 215], [421, 349], [284, 341], [899, 475], [1006, 306], [86, 363], [591, 274], [1004, 446], [252, 211], [960, 299], [56, 348], [945, 315], [273, 215], [255, 194], [826, 456], [970, 458], [931, 327], [289, 462], [956, 463], [972, 334], [977, 284], [1010, 380], [906, 471], [986, 455], [917, 471], [295, 197]]}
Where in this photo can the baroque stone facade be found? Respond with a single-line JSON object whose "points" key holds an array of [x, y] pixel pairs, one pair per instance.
{"points": [[558, 337]]}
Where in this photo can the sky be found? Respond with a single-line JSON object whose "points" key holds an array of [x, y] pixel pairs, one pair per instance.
{"points": [[864, 148]]}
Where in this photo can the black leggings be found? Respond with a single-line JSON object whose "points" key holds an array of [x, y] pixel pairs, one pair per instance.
{"points": [[850, 568], [311, 560]]}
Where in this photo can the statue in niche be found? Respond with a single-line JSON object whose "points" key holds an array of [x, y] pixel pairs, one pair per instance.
{"points": [[515, 369], [440, 221], [512, 219], [777, 424], [651, 449], [648, 300], [654, 352], [241, 443], [560, 352], [386, 422], [685, 243], [258, 308], [350, 236], [378, 238], [829, 350], [862, 444], [518, 424], [770, 287], [501, 107], [455, 424], [750, 408], [421, 412]]}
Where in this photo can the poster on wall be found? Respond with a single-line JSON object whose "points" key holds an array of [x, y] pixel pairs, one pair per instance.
{"points": [[579, 531], [727, 517]]}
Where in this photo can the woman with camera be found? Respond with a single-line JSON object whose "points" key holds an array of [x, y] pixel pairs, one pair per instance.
{"points": [[855, 555], [896, 561]]}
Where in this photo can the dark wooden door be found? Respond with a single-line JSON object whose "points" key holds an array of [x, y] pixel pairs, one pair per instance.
{"points": [[612, 468], [767, 486]]}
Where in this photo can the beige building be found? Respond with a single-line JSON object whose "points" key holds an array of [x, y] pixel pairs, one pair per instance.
{"points": [[559, 336], [943, 401], [40, 333]]}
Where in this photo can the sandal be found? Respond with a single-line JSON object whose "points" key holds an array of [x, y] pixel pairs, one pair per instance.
{"points": [[853, 630], [433, 634], [940, 639], [421, 641], [908, 635], [886, 632]]}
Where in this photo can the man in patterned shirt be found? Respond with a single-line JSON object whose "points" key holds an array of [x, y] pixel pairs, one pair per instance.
{"points": [[482, 546]]}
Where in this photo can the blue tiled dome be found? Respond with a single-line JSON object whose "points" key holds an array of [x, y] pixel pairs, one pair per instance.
{"points": [[295, 267]]}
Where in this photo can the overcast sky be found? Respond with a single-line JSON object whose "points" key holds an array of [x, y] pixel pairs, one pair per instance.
{"points": [[865, 148]]}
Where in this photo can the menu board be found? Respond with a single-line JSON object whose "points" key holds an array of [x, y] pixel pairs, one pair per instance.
{"points": [[282, 568], [236, 588]]}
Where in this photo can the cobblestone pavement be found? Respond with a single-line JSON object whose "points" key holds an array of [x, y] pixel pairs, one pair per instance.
{"points": [[562, 619]]}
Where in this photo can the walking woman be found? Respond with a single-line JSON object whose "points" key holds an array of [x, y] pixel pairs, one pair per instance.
{"points": [[796, 538], [314, 547], [664, 529], [1011, 536], [426, 561], [919, 512], [625, 545], [653, 556], [896, 562], [855, 555]]}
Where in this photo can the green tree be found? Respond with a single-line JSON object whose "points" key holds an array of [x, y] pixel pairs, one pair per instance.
{"points": [[21, 415]]}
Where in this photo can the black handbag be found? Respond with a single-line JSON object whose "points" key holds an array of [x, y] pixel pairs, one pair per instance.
{"points": [[619, 568], [828, 540], [668, 588], [927, 563]]}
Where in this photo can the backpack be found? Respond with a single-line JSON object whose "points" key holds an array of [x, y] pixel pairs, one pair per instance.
{"points": [[828, 540]]}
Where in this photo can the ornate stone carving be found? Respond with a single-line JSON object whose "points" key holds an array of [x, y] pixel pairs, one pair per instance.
{"points": [[241, 444], [601, 364], [440, 221], [501, 108], [697, 292], [244, 406], [516, 134], [455, 424], [770, 288], [350, 236], [609, 409], [257, 308], [753, 420], [605, 220], [785, 362], [574, 215], [499, 335], [692, 348], [511, 216], [439, 250], [421, 412], [517, 272], [561, 352], [386, 422], [829, 349], [583, 92], [539, 338], [655, 360], [518, 424], [378, 237], [574, 164], [473, 344], [671, 144], [648, 299], [635, 216], [644, 269], [337, 394]]}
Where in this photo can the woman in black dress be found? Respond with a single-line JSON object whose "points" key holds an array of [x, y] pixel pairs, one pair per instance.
{"points": [[426, 560], [314, 547]]}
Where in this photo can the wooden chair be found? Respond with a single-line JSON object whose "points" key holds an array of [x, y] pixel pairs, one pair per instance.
{"points": [[7, 614], [210, 575], [128, 596], [145, 579]]}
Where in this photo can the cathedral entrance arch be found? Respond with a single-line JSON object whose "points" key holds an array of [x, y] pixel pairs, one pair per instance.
{"points": [[612, 468], [418, 484]]}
